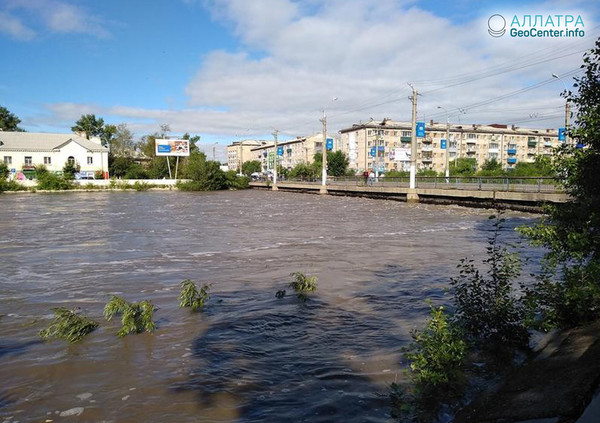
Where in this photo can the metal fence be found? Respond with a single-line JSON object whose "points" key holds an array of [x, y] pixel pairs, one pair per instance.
{"points": [[483, 183]]}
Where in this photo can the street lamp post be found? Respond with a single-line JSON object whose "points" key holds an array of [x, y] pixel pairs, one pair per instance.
{"points": [[567, 108], [447, 144]]}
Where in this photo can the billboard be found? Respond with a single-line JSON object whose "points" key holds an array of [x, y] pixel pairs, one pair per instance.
{"points": [[172, 147]]}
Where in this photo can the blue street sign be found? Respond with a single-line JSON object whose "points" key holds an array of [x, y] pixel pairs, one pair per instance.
{"points": [[420, 129], [280, 151], [329, 144], [443, 144], [164, 148], [562, 134], [373, 151]]}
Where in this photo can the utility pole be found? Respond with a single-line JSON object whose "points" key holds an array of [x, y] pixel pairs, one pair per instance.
{"points": [[376, 158], [323, 189], [448, 149], [567, 116], [275, 162], [412, 196]]}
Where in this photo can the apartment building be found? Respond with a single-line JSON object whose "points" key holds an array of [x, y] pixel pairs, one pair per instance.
{"points": [[291, 152], [386, 145], [239, 152]]}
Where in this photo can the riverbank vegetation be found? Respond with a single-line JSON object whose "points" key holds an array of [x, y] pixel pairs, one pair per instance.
{"points": [[493, 311]]}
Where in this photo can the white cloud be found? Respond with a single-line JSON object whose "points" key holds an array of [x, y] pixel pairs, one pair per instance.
{"points": [[295, 56], [15, 28], [58, 17]]}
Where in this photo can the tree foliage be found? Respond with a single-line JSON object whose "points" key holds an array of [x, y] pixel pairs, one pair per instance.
{"points": [[569, 293], [337, 163], [463, 166], [135, 317], [121, 143], [248, 168], [193, 297], [9, 121], [68, 325], [90, 126]]}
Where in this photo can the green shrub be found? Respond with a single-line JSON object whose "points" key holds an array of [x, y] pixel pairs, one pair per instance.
{"points": [[193, 297], [53, 182], [141, 186], [68, 325], [437, 354], [234, 181], [303, 284], [487, 307], [135, 317]]}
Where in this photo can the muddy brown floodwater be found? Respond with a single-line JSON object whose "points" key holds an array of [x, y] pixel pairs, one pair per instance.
{"points": [[249, 357]]}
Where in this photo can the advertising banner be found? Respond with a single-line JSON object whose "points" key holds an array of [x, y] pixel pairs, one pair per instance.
{"points": [[172, 147]]}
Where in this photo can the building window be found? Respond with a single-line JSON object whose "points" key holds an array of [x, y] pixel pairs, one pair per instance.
{"points": [[406, 134], [8, 160], [90, 160], [471, 136], [71, 160], [47, 160], [28, 160], [493, 145]]}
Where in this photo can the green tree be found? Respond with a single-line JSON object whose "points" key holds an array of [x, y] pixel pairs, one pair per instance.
{"points": [[8, 121], [463, 166], [542, 166], [337, 163], [248, 168], [119, 165], [571, 231], [108, 134], [70, 169], [491, 167], [193, 140], [303, 171], [90, 126], [122, 142], [206, 175]]}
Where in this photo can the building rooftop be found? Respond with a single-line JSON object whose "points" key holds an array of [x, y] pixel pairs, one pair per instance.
{"points": [[38, 141], [437, 126]]}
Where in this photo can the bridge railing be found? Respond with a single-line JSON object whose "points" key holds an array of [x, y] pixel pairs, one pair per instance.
{"points": [[482, 183]]}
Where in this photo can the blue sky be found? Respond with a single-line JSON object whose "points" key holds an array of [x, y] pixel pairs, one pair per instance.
{"points": [[231, 69]]}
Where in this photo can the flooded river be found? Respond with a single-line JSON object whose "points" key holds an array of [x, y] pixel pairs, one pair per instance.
{"points": [[249, 357]]}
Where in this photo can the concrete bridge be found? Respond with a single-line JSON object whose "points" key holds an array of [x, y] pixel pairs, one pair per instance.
{"points": [[525, 194]]}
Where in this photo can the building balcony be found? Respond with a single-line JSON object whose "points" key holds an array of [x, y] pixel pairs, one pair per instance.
{"points": [[470, 151], [426, 159], [531, 152], [427, 148], [472, 141], [511, 160], [406, 139], [494, 150], [427, 140], [512, 151], [531, 144]]}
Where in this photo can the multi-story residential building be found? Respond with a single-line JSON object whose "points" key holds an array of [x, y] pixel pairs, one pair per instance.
{"points": [[386, 145], [239, 152], [295, 151], [23, 151]]}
